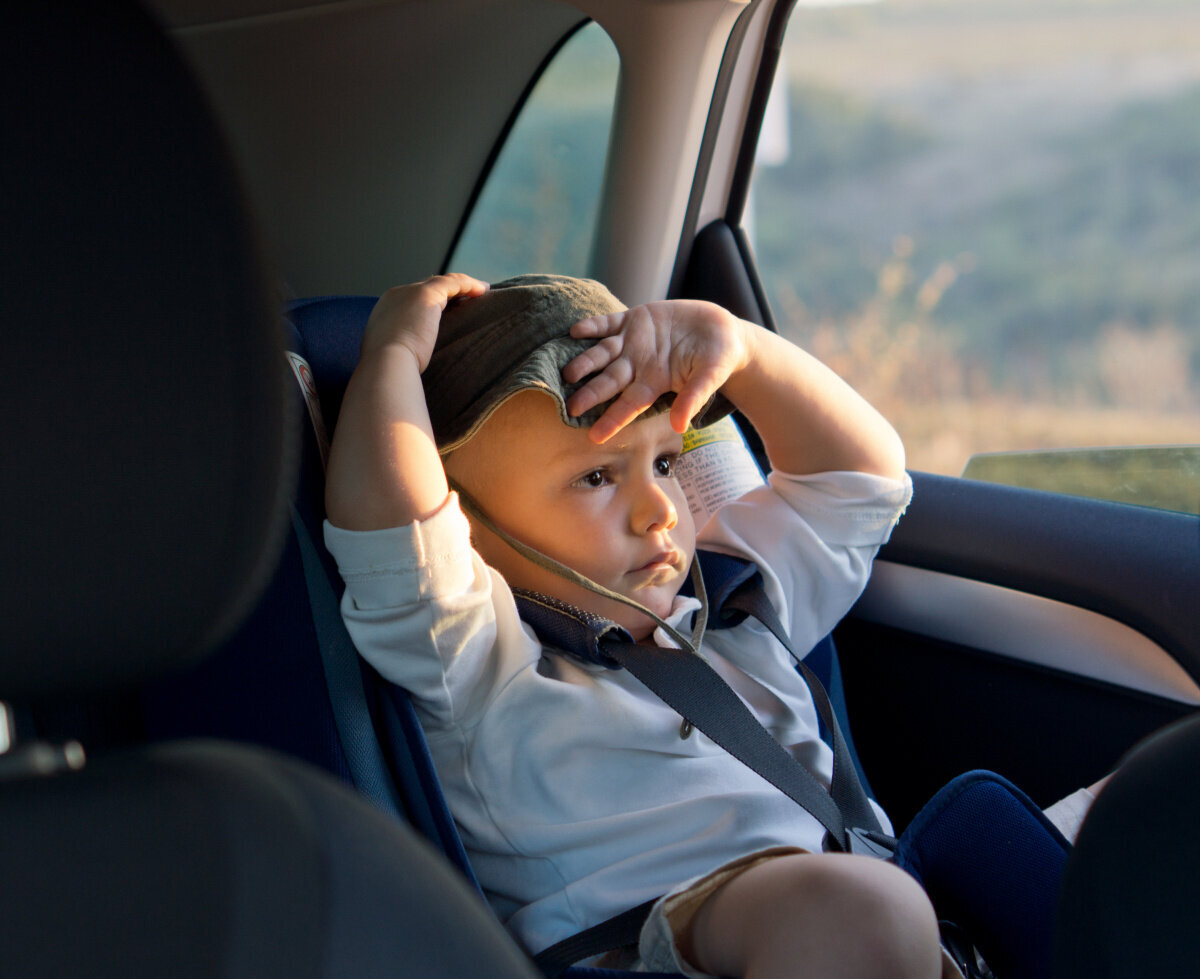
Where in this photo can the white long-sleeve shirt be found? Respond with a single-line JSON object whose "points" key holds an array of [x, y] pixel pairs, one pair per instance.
{"points": [[573, 790]]}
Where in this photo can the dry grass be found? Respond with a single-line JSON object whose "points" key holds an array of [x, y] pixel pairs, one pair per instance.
{"points": [[1133, 387], [941, 436]]}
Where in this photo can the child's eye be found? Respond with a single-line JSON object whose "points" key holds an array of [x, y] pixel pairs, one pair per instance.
{"points": [[593, 480], [665, 465]]}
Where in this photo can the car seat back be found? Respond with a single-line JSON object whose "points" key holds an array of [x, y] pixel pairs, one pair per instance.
{"points": [[143, 366], [1131, 886]]}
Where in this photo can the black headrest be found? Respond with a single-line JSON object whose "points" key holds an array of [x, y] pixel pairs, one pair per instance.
{"points": [[141, 366]]}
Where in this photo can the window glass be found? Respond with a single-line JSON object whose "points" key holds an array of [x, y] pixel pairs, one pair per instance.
{"points": [[983, 213], [537, 211]]}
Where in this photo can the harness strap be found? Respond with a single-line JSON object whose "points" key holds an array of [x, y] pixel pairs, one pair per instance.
{"points": [[845, 787], [687, 684], [343, 677], [619, 930]]}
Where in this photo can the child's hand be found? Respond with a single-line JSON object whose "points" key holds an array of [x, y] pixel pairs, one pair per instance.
{"points": [[409, 315], [684, 346]]}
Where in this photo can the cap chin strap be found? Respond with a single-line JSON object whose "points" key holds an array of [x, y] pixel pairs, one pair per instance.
{"points": [[699, 621]]}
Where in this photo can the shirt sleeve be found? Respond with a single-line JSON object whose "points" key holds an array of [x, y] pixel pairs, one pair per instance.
{"points": [[424, 610], [813, 538]]}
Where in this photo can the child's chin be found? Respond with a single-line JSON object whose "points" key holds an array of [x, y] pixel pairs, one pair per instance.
{"points": [[642, 626]]}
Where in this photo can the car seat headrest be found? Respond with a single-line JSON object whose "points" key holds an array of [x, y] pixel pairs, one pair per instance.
{"points": [[148, 458]]}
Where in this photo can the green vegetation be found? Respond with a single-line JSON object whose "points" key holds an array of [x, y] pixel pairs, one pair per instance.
{"points": [[828, 261], [840, 136], [1112, 239], [1163, 476]]}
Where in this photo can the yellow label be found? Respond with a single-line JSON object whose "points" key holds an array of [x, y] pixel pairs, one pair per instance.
{"points": [[722, 431]]}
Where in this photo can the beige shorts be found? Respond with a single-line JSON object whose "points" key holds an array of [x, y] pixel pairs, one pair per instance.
{"points": [[657, 949]]}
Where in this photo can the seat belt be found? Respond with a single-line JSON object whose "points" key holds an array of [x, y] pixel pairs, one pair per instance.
{"points": [[694, 690], [619, 930], [686, 683], [343, 678], [858, 815]]}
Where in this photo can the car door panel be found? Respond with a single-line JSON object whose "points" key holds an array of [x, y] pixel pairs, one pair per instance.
{"points": [[1034, 634]]}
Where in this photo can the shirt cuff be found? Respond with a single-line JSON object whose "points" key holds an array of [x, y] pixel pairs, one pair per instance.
{"points": [[399, 566], [846, 508]]}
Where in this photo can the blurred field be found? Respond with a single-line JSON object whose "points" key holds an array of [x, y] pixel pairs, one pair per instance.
{"points": [[985, 217], [1141, 390], [941, 436], [903, 43]]}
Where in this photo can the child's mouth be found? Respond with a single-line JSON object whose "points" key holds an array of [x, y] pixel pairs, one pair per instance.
{"points": [[661, 562]]}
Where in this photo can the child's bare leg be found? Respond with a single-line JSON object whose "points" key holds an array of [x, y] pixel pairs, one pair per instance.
{"points": [[820, 915]]}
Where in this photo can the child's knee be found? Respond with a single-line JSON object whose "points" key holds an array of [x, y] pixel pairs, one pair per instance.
{"points": [[890, 918], [820, 915], [872, 884]]}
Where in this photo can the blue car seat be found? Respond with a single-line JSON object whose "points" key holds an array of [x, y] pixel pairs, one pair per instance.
{"points": [[290, 679]]}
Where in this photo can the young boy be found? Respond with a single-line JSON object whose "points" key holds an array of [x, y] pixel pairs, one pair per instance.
{"points": [[577, 791]]}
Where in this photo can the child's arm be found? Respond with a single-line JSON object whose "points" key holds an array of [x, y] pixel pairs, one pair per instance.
{"points": [[384, 469], [809, 419]]}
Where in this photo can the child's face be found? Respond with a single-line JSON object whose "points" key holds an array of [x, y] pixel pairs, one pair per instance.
{"points": [[613, 512]]}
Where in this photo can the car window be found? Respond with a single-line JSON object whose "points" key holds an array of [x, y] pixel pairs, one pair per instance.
{"points": [[537, 210], [983, 214]]}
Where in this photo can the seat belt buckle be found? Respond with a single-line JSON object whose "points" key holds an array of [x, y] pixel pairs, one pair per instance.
{"points": [[869, 843], [864, 842]]}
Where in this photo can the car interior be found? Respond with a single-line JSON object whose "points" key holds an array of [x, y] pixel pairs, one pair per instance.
{"points": [[204, 199]]}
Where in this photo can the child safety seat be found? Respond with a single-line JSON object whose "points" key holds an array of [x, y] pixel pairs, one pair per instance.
{"points": [[290, 678], [365, 729]]}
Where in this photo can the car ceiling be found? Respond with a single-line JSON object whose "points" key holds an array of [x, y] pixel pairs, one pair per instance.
{"points": [[338, 115]]}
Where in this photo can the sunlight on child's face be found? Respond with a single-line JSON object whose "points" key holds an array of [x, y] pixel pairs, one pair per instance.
{"points": [[612, 512]]}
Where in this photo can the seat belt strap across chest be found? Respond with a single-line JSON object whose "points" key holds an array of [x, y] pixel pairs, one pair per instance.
{"points": [[845, 787], [687, 684]]}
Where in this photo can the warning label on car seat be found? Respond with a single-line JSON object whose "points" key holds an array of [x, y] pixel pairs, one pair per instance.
{"points": [[308, 387], [716, 467]]}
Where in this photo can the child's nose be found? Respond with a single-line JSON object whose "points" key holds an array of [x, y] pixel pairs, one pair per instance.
{"points": [[655, 510]]}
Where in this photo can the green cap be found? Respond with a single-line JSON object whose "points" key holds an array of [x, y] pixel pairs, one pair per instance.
{"points": [[516, 337]]}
